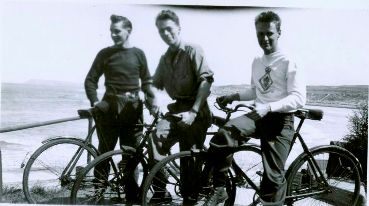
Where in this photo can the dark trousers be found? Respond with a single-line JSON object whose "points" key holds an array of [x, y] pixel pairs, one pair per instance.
{"points": [[275, 131], [192, 137], [119, 122]]}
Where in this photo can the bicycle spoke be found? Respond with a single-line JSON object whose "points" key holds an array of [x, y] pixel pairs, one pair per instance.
{"points": [[43, 179]]}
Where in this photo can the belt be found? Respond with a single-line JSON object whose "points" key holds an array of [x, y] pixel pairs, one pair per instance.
{"points": [[126, 94], [129, 94]]}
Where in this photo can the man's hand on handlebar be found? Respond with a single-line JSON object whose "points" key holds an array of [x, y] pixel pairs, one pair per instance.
{"points": [[224, 100], [183, 119], [154, 110], [227, 99], [187, 118]]}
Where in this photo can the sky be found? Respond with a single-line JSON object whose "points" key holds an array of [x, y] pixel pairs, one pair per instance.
{"points": [[59, 40]]}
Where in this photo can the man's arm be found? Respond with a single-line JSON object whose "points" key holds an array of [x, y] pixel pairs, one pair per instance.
{"points": [[204, 76], [146, 84], [296, 89], [150, 99], [202, 94], [92, 79], [247, 94]]}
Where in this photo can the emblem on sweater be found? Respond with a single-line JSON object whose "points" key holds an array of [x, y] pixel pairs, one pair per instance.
{"points": [[266, 80]]}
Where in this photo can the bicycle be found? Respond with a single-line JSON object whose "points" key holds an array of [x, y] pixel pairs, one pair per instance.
{"points": [[124, 164], [51, 171], [316, 176], [251, 167]]}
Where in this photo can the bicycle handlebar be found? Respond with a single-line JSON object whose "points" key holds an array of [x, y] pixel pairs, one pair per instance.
{"points": [[229, 110]]}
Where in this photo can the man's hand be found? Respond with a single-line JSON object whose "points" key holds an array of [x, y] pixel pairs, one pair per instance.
{"points": [[259, 112], [187, 118], [227, 99], [101, 105], [154, 110], [95, 103]]}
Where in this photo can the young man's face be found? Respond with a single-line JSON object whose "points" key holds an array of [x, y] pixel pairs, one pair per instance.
{"points": [[118, 33], [267, 35], [169, 31]]}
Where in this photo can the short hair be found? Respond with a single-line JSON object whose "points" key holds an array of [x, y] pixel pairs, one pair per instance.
{"points": [[267, 17], [126, 22], [167, 14]]}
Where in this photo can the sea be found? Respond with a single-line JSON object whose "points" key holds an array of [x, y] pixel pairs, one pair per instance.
{"points": [[23, 104]]}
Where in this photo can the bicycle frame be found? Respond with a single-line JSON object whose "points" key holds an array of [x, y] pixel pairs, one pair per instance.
{"points": [[137, 152], [86, 142], [315, 168]]}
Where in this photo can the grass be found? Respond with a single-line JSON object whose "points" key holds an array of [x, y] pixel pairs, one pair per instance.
{"points": [[13, 194]]}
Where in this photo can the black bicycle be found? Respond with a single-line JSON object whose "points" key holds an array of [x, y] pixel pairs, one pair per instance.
{"points": [[247, 161], [316, 177], [96, 186]]}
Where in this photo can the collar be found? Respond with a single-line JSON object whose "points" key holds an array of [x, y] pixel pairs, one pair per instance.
{"points": [[182, 46]]}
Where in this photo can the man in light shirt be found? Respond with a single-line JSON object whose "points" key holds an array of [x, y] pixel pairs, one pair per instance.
{"points": [[278, 89]]}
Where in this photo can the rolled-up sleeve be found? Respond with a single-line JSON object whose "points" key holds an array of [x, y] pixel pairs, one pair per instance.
{"points": [[158, 76], [203, 71]]}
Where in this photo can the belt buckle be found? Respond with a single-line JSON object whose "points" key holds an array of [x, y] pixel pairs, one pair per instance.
{"points": [[128, 94]]}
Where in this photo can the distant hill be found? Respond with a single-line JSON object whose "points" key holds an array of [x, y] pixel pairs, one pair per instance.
{"points": [[51, 82], [349, 96], [337, 96]]}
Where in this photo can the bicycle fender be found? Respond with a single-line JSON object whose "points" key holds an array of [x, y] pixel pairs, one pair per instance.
{"points": [[50, 139], [61, 137], [322, 147]]}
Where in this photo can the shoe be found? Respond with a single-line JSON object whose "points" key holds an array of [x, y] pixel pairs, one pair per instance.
{"points": [[220, 195], [189, 201], [133, 201], [161, 197]]}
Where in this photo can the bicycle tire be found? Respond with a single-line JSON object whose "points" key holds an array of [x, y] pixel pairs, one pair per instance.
{"points": [[248, 158], [340, 170], [42, 176], [170, 168], [88, 190]]}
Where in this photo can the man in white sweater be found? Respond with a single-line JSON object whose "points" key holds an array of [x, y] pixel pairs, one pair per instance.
{"points": [[278, 89]]}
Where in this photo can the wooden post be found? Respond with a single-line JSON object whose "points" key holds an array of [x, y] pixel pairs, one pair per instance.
{"points": [[1, 179]]}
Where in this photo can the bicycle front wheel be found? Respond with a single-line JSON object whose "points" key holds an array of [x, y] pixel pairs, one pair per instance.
{"points": [[112, 178], [180, 177], [334, 180], [248, 170], [51, 170]]}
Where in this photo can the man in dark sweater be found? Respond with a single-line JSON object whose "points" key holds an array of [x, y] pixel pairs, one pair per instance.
{"points": [[123, 67]]}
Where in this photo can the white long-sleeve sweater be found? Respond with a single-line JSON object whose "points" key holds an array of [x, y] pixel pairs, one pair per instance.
{"points": [[284, 89]]}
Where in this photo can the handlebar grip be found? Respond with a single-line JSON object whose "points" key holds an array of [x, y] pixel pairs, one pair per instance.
{"points": [[217, 100]]}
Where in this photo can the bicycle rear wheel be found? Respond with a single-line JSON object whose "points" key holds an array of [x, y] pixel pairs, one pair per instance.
{"points": [[247, 164], [342, 173], [96, 187], [51, 170], [166, 186]]}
